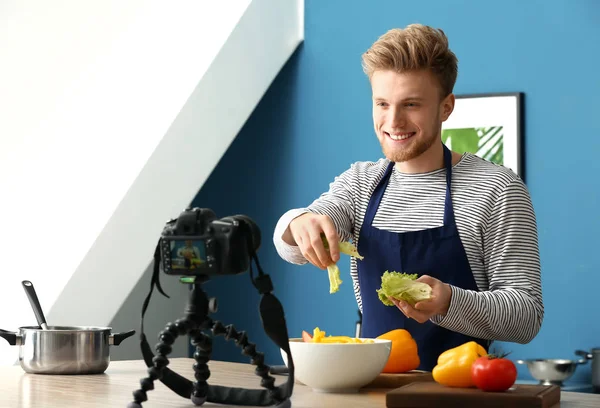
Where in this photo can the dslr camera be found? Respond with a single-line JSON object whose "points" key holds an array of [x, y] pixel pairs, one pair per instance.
{"points": [[198, 244]]}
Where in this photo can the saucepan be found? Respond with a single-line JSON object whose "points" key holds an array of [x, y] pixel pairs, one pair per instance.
{"points": [[594, 356], [47, 349]]}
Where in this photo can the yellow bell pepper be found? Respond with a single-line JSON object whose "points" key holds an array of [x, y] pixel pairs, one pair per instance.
{"points": [[453, 367]]}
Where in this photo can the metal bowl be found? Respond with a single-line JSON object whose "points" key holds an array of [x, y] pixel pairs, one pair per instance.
{"points": [[551, 371]]}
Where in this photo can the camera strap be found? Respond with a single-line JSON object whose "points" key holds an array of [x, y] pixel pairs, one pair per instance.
{"points": [[273, 321]]}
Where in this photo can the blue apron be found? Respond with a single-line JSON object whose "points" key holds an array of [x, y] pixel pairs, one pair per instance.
{"points": [[437, 252]]}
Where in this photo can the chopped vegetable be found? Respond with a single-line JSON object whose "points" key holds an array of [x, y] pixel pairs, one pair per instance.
{"points": [[345, 248], [334, 278], [333, 270], [453, 367], [349, 249], [319, 337], [306, 336], [402, 286]]}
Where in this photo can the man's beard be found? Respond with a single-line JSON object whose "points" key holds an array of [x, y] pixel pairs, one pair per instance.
{"points": [[415, 149]]}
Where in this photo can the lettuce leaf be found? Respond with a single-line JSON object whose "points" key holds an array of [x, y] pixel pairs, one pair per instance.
{"points": [[402, 286], [345, 248], [333, 270], [334, 278]]}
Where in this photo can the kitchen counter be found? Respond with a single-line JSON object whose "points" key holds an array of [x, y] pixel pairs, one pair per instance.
{"points": [[114, 388]]}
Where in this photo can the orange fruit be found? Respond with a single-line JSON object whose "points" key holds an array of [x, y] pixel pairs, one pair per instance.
{"points": [[404, 355]]}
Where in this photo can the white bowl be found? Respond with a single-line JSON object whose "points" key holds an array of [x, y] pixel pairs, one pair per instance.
{"points": [[338, 367]]}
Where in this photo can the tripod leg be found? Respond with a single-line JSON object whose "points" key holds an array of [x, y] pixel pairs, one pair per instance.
{"points": [[163, 348], [203, 345], [257, 358]]}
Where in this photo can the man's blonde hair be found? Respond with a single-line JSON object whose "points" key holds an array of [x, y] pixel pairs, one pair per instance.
{"points": [[414, 48]]}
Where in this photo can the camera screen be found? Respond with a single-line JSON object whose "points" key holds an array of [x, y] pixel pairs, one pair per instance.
{"points": [[189, 254]]}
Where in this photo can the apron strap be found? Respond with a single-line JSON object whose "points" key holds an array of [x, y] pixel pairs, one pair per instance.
{"points": [[377, 195], [448, 208]]}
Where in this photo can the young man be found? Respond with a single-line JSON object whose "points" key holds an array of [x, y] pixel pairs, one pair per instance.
{"points": [[476, 246]]}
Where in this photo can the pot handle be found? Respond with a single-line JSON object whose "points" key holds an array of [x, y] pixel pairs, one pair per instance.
{"points": [[13, 338], [586, 356], [117, 338]]}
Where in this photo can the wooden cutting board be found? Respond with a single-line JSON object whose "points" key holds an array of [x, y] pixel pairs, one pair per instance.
{"points": [[433, 395], [388, 380]]}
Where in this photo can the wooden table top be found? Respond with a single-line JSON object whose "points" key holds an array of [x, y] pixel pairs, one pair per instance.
{"points": [[114, 388]]}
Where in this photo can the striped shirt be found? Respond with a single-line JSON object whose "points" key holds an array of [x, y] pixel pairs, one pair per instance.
{"points": [[496, 223]]}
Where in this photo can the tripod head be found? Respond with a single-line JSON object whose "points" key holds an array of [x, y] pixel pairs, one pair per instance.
{"points": [[196, 321]]}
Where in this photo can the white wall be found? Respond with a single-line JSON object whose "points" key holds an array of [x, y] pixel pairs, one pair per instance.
{"points": [[112, 116], [161, 311]]}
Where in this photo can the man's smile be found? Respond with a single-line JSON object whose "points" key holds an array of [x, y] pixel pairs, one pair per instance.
{"points": [[398, 137]]}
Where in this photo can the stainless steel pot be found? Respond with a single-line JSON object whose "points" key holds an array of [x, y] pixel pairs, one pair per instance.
{"points": [[64, 349], [594, 355]]}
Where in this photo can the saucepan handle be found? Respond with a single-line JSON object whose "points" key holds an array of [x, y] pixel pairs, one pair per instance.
{"points": [[117, 338], [586, 356], [13, 338]]}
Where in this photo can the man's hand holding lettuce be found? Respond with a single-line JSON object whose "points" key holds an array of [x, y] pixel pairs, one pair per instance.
{"points": [[333, 270], [402, 286], [419, 299]]}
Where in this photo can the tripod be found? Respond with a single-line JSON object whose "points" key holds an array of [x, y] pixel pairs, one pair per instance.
{"points": [[194, 322]]}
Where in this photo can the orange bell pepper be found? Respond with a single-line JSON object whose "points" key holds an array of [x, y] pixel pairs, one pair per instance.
{"points": [[404, 355]]}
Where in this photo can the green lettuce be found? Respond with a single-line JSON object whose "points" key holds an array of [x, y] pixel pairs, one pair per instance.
{"points": [[334, 278], [402, 286], [345, 248], [333, 270]]}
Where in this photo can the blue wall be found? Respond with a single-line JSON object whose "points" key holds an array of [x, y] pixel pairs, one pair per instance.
{"points": [[316, 119]]}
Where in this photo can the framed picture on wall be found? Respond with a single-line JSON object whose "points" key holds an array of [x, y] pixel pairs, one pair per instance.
{"points": [[488, 125]]}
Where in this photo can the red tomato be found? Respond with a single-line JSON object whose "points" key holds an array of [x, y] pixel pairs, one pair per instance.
{"points": [[493, 374], [306, 336]]}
